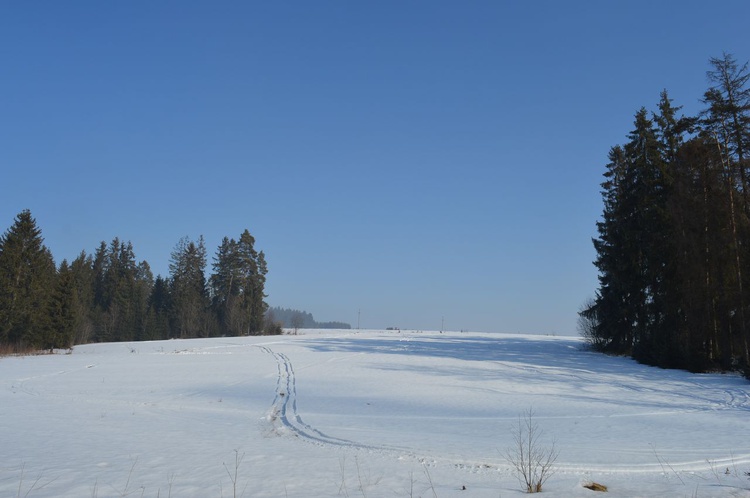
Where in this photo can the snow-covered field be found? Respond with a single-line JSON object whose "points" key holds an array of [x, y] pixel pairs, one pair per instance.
{"points": [[362, 413]]}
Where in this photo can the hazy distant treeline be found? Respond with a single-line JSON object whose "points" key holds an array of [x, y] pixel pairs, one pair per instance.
{"points": [[297, 319], [673, 250]]}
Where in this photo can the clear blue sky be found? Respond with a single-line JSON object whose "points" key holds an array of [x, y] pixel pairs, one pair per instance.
{"points": [[417, 161]]}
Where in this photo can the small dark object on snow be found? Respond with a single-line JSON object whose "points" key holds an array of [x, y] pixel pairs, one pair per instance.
{"points": [[595, 486], [463, 488]]}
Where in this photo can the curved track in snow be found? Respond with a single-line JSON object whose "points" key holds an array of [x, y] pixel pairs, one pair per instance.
{"points": [[284, 414], [285, 418]]}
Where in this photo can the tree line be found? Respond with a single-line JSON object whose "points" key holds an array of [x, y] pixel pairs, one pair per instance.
{"points": [[674, 238], [110, 296], [296, 319]]}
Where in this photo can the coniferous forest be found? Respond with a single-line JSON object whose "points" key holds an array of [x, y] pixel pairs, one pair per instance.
{"points": [[673, 246], [110, 296]]}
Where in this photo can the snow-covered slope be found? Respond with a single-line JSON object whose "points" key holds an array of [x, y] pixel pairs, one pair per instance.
{"points": [[362, 413]]}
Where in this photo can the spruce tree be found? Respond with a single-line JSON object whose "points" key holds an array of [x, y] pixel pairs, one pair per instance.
{"points": [[226, 287], [727, 116], [702, 215], [190, 301], [253, 282], [675, 255], [27, 277], [82, 269], [237, 284], [159, 310], [259, 307], [610, 313], [63, 310], [142, 287], [727, 120], [629, 306]]}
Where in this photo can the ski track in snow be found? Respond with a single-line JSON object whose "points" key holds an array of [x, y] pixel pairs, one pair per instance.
{"points": [[738, 399], [24, 383], [284, 416], [284, 409]]}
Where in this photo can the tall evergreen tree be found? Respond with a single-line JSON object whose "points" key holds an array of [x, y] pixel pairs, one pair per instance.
{"points": [[610, 313], [82, 270], [100, 267], [630, 301], [63, 310], [676, 251], [159, 310], [648, 228], [190, 301], [238, 284], [143, 284], [254, 268], [727, 120], [711, 272], [27, 276], [225, 287], [260, 306], [727, 116]]}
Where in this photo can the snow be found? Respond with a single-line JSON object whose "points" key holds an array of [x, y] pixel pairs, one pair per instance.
{"points": [[362, 413]]}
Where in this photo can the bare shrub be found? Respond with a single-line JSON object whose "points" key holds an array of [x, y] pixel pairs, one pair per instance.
{"points": [[532, 463], [272, 327], [588, 323], [364, 480], [234, 473]]}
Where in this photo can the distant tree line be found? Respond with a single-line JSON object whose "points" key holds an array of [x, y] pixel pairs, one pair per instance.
{"points": [[110, 296], [673, 246], [296, 319]]}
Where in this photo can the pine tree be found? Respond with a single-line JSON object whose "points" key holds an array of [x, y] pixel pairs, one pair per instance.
{"points": [[238, 284], [100, 267], [82, 270], [159, 310], [27, 276], [702, 215], [142, 287], [254, 271], [611, 313], [670, 221], [190, 301], [225, 287], [259, 306], [678, 256], [63, 311], [629, 306], [728, 114], [727, 121]]}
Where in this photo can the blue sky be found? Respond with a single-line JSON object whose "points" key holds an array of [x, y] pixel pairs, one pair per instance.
{"points": [[418, 163]]}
